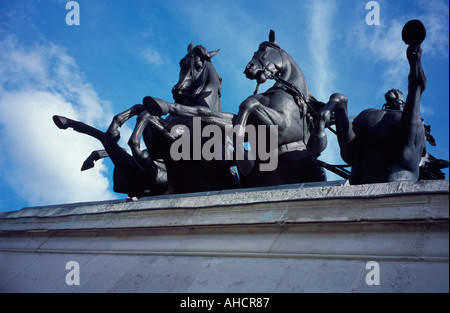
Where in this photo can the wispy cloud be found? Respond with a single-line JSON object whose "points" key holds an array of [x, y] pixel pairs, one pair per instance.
{"points": [[435, 16], [41, 162], [383, 44], [153, 56], [320, 38]]}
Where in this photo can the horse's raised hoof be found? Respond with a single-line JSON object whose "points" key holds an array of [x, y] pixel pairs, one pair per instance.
{"points": [[88, 163], [61, 122]]}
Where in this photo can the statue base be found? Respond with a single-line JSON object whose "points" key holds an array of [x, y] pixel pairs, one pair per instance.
{"points": [[324, 237]]}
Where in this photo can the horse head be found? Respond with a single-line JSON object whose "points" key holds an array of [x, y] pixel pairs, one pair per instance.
{"points": [[272, 62], [199, 83], [267, 62]]}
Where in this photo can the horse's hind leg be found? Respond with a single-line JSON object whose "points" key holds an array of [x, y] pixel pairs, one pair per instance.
{"points": [[132, 178], [95, 156], [63, 122]]}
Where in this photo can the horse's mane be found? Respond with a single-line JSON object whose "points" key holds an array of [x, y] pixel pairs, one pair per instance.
{"points": [[208, 83], [300, 83]]}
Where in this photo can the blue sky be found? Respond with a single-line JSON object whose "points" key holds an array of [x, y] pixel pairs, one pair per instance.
{"points": [[125, 50]]}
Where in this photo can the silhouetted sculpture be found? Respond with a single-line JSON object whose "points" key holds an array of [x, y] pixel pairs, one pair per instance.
{"points": [[386, 145]]}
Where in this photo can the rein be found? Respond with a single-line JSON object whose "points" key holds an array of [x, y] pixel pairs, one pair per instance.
{"points": [[298, 96]]}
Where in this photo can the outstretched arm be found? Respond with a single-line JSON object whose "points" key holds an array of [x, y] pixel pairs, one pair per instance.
{"points": [[412, 130]]}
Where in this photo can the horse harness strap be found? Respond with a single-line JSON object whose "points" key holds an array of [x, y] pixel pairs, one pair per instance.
{"points": [[293, 90], [298, 96]]}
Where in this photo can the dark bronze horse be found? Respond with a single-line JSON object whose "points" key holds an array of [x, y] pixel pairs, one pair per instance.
{"points": [[289, 105], [152, 171], [198, 87]]}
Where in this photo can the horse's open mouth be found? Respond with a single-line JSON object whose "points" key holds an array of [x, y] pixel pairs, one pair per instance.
{"points": [[260, 77], [255, 74]]}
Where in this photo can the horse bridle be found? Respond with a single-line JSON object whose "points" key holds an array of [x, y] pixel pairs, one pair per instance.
{"points": [[299, 97]]}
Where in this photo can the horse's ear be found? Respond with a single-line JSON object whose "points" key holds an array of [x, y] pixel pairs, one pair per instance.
{"points": [[212, 53], [190, 47], [272, 37]]}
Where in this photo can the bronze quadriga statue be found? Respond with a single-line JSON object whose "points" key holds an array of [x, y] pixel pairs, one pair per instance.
{"points": [[274, 139]]}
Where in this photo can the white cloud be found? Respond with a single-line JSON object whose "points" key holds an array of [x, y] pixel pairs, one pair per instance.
{"points": [[41, 162]]}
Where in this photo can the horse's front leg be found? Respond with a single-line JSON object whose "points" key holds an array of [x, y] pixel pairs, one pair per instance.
{"points": [[208, 116], [344, 128], [113, 134], [158, 107], [245, 159], [142, 157]]}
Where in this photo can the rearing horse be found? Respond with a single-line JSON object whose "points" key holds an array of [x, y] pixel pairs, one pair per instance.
{"points": [[198, 87], [152, 171], [289, 105]]}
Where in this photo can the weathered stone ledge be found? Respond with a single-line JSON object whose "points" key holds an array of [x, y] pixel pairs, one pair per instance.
{"points": [[302, 192], [296, 238]]}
